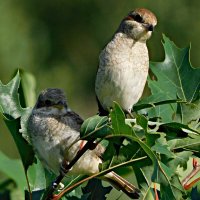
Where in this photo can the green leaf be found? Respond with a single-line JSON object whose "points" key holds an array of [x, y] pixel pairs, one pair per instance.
{"points": [[27, 88], [178, 127], [95, 127], [190, 115], [173, 79], [15, 117], [96, 190], [37, 178], [9, 98], [119, 151], [161, 146], [147, 192], [192, 143], [13, 168], [168, 171], [142, 121], [176, 71], [181, 159], [141, 105], [118, 121], [25, 149]]}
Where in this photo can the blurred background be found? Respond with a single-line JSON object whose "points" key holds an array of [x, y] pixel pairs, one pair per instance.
{"points": [[59, 42]]}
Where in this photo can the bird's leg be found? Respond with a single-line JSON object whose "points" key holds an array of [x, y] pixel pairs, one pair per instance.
{"points": [[130, 114], [196, 169]]}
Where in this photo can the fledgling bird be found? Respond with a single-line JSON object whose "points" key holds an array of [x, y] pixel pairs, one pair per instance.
{"points": [[55, 131], [124, 62]]}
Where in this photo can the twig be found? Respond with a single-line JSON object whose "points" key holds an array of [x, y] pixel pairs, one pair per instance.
{"points": [[156, 193], [28, 185], [157, 124], [196, 169], [57, 197]]}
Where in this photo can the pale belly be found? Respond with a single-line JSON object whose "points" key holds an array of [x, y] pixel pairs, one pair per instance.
{"points": [[52, 153], [124, 86]]}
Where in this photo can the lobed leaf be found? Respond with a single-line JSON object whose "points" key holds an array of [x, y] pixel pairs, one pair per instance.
{"points": [[95, 127], [172, 79], [118, 121], [9, 99]]}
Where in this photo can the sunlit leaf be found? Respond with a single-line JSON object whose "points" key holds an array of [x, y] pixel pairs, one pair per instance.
{"points": [[9, 98], [161, 146], [37, 178], [28, 86], [95, 127], [118, 121], [172, 79]]}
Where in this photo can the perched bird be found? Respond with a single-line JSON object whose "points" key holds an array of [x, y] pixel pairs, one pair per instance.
{"points": [[55, 131], [124, 62]]}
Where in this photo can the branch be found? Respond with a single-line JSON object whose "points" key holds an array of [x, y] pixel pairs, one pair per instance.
{"points": [[68, 189], [196, 169]]}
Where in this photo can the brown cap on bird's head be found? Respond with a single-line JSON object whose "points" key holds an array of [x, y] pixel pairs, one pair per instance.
{"points": [[143, 16], [147, 15]]}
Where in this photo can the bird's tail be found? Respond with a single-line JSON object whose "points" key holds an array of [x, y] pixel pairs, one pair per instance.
{"points": [[121, 184]]}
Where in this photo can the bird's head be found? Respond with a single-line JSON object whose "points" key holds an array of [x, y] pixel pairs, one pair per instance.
{"points": [[52, 101], [138, 24]]}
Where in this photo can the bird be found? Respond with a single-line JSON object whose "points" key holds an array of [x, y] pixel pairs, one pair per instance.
{"points": [[124, 62], [54, 131]]}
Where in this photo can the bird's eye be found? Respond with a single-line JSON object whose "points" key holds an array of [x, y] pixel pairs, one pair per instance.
{"points": [[47, 103], [60, 103], [137, 18]]}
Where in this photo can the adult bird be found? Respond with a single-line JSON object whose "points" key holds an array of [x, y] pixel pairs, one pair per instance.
{"points": [[124, 62]]}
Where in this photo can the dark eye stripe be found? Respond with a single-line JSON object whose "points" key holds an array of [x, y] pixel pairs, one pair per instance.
{"points": [[137, 17], [48, 103], [40, 104]]}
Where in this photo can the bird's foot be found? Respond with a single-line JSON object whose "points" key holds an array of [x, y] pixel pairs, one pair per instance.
{"points": [[130, 114]]}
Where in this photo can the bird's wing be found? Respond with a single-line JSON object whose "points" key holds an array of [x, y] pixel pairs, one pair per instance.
{"points": [[73, 120]]}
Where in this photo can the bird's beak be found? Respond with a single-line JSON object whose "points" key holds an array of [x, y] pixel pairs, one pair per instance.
{"points": [[149, 27], [58, 106]]}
